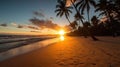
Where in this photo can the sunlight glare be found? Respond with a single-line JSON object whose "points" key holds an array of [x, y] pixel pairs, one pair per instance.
{"points": [[62, 38], [61, 32]]}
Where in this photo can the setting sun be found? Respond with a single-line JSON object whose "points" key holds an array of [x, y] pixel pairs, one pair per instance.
{"points": [[61, 32]]}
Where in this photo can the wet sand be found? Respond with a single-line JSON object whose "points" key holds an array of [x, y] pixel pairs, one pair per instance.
{"points": [[72, 52]]}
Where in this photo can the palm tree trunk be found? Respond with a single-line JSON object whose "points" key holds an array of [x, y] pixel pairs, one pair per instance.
{"points": [[76, 10], [67, 19], [92, 36], [88, 16], [79, 16], [91, 30]]}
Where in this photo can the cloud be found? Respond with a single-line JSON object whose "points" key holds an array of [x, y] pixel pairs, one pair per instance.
{"points": [[32, 27], [68, 3], [17, 25], [25, 26], [4, 25], [35, 31], [44, 24], [51, 18], [28, 26], [14, 24], [39, 13], [20, 26]]}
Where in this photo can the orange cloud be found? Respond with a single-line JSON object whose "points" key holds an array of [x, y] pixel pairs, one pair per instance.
{"points": [[44, 24], [68, 3]]}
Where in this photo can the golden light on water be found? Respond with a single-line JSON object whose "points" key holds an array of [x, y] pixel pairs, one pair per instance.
{"points": [[62, 38], [61, 33]]}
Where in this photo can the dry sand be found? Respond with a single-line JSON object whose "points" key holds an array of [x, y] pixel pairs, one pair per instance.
{"points": [[72, 52]]}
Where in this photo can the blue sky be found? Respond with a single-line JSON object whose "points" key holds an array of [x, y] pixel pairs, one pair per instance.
{"points": [[20, 11]]}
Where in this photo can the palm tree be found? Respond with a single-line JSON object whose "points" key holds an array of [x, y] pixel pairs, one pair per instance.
{"points": [[117, 8], [85, 4], [106, 7], [95, 25], [74, 24], [77, 16], [61, 9], [94, 21]]}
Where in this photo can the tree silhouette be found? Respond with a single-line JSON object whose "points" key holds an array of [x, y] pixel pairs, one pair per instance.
{"points": [[85, 5], [109, 8], [94, 21], [61, 9], [106, 7], [78, 15]]}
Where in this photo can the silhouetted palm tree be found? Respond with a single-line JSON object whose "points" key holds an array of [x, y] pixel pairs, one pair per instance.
{"points": [[94, 21], [61, 9], [101, 6], [77, 16], [86, 29], [117, 8], [106, 7], [85, 4], [94, 25], [74, 25]]}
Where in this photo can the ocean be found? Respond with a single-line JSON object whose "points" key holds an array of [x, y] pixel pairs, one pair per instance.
{"points": [[8, 42]]}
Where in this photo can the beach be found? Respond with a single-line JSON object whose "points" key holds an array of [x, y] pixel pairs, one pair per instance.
{"points": [[71, 52]]}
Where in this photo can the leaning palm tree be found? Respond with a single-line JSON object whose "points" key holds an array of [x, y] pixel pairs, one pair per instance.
{"points": [[83, 5], [62, 9], [78, 15]]}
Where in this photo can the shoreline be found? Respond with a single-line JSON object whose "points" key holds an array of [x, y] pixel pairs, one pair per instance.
{"points": [[72, 52], [11, 44]]}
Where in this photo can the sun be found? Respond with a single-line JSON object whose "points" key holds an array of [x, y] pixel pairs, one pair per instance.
{"points": [[61, 32]]}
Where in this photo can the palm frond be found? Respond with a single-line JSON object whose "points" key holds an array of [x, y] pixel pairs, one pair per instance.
{"points": [[57, 10], [81, 6], [58, 13], [92, 2], [69, 7], [69, 11], [61, 14], [79, 3], [102, 13]]}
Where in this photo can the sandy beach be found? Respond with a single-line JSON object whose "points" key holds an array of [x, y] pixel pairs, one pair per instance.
{"points": [[72, 52]]}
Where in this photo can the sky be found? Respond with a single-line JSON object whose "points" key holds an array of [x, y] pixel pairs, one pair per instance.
{"points": [[17, 14]]}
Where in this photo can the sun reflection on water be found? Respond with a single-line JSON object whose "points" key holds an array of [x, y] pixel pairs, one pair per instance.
{"points": [[62, 38]]}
